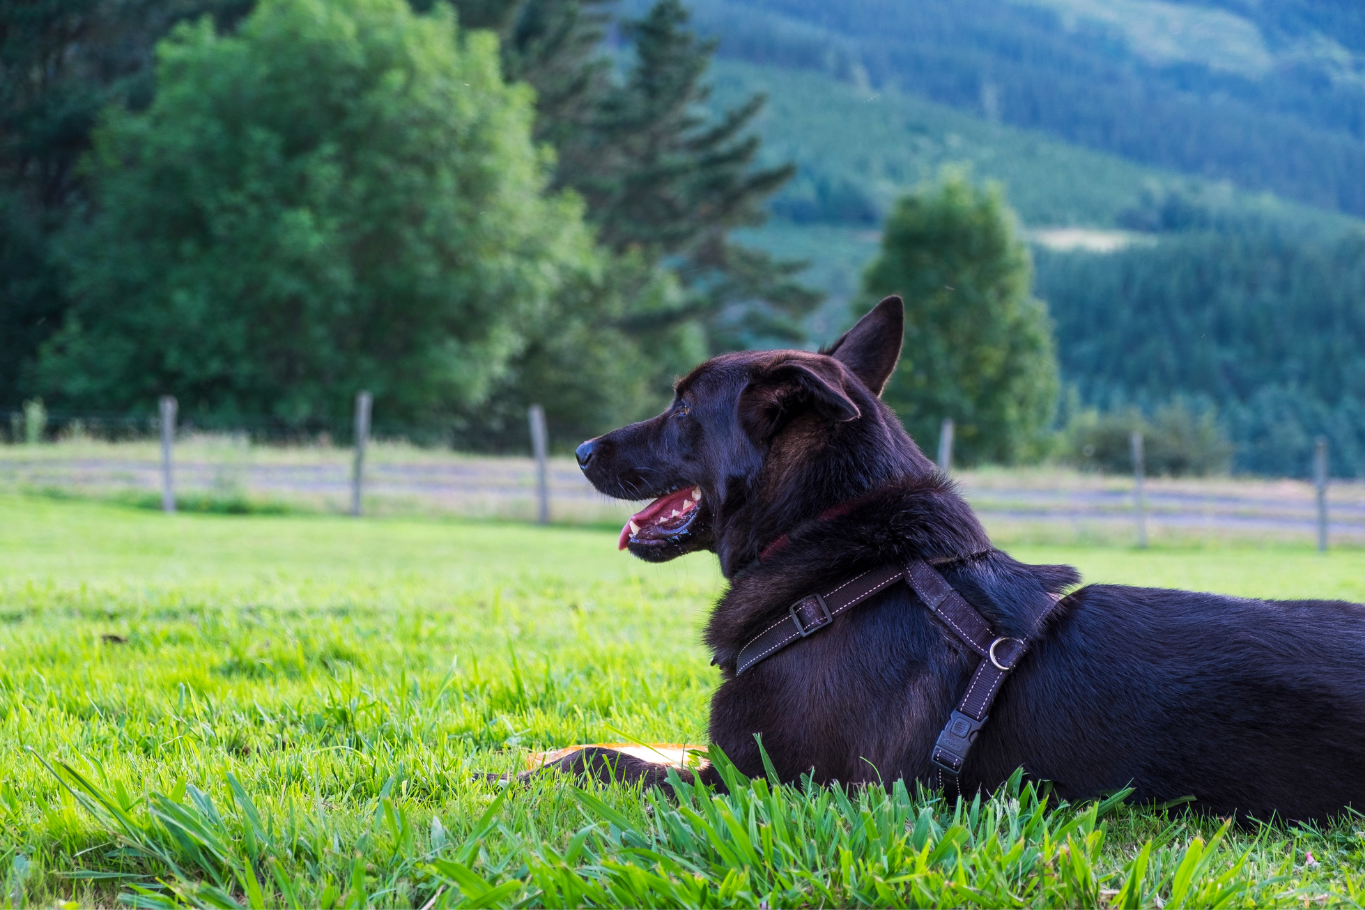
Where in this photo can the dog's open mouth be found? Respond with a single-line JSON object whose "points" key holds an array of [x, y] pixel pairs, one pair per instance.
{"points": [[663, 521]]}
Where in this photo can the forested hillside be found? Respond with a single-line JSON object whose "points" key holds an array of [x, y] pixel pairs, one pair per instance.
{"points": [[1262, 325], [1270, 96]]}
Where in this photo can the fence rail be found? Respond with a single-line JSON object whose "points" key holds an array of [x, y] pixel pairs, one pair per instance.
{"points": [[1044, 505], [114, 454]]}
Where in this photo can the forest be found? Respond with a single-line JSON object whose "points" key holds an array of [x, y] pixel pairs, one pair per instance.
{"points": [[1261, 324], [1291, 122]]}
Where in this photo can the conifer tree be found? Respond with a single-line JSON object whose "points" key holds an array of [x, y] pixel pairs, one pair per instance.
{"points": [[660, 177]]}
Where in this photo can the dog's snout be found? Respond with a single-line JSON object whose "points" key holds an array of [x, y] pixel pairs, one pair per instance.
{"points": [[584, 454]]}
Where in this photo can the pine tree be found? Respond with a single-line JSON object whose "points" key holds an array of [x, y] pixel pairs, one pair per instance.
{"points": [[660, 178], [664, 184]]}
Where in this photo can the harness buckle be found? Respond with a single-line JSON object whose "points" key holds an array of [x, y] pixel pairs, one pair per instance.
{"points": [[821, 620], [950, 751]]}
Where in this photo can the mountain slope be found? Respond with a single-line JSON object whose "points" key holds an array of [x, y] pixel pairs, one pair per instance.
{"points": [[1248, 93], [857, 149]]}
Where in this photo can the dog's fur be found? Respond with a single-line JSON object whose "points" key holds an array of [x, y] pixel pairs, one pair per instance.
{"points": [[1252, 707]]}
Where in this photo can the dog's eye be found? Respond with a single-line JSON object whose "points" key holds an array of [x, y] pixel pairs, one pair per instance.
{"points": [[682, 408]]}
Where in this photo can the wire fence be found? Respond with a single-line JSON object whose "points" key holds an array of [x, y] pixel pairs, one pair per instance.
{"points": [[233, 466]]}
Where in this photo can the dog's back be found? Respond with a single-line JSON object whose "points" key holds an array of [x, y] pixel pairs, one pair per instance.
{"points": [[1247, 705]]}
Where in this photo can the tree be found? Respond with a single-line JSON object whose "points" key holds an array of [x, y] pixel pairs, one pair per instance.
{"points": [[344, 194], [663, 184], [660, 177], [61, 62], [978, 346]]}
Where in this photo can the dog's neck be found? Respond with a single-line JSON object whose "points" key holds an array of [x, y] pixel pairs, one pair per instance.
{"points": [[810, 472], [910, 519]]}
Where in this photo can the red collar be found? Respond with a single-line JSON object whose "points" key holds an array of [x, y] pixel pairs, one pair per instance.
{"points": [[829, 514]]}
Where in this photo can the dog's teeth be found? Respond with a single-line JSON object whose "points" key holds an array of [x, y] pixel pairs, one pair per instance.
{"points": [[634, 529], [696, 494], [675, 514]]}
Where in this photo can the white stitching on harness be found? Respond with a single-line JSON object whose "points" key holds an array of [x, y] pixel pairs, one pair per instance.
{"points": [[965, 637], [849, 582], [975, 677], [873, 590], [770, 628], [767, 652], [998, 680], [868, 593]]}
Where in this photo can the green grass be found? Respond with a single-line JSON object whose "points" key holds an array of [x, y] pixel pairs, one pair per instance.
{"points": [[285, 710]]}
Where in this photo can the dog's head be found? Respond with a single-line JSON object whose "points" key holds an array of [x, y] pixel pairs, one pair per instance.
{"points": [[758, 441]]}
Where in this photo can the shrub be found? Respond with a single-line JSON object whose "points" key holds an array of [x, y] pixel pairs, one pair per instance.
{"points": [[1178, 441]]}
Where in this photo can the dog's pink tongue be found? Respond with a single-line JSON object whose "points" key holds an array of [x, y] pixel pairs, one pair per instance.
{"points": [[657, 509]]}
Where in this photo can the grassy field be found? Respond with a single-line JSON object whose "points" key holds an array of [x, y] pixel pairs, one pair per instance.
{"points": [[285, 710]]}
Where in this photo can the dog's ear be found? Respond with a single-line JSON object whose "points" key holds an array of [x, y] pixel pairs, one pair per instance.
{"points": [[872, 347], [792, 387]]}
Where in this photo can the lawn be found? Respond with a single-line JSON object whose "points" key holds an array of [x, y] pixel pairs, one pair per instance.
{"points": [[285, 710]]}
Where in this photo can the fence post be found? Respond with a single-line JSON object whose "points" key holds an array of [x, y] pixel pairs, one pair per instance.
{"points": [[362, 436], [168, 410], [1139, 494], [945, 446], [1320, 482], [536, 415]]}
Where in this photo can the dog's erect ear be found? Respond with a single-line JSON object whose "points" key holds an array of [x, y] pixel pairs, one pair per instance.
{"points": [[872, 347], [789, 388]]}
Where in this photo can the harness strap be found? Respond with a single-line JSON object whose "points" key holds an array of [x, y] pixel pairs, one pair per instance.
{"points": [[813, 612], [998, 655]]}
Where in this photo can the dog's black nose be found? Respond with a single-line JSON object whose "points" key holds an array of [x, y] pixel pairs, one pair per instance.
{"points": [[584, 453]]}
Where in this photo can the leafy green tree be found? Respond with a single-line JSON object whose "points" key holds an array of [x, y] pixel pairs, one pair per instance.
{"points": [[978, 346], [345, 194]]}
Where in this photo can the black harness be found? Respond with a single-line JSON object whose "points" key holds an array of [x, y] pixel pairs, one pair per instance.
{"points": [[998, 654]]}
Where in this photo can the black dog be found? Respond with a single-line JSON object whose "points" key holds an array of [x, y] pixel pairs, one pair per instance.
{"points": [[789, 467]]}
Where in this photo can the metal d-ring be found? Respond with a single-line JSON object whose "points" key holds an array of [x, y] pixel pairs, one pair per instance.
{"points": [[991, 653]]}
